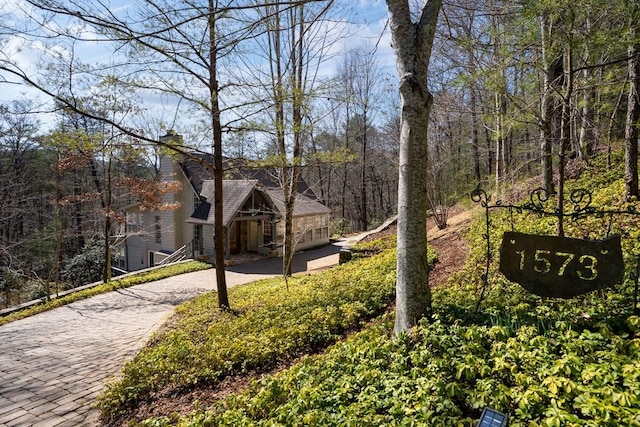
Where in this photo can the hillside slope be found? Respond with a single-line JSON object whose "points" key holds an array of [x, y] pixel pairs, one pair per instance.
{"points": [[544, 361]]}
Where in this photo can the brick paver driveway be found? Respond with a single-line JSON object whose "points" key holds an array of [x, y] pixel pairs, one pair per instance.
{"points": [[53, 365]]}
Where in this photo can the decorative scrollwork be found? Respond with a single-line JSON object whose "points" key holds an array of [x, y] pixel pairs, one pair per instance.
{"points": [[542, 194], [538, 203], [478, 195], [537, 200], [581, 200]]}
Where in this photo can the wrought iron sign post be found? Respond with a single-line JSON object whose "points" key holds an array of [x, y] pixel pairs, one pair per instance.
{"points": [[556, 266]]}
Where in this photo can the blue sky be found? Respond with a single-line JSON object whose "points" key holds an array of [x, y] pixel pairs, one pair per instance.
{"points": [[365, 23]]}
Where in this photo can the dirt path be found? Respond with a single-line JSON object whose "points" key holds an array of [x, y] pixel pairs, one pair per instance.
{"points": [[450, 244]]}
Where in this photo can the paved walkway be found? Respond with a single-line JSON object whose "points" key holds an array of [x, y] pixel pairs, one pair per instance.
{"points": [[53, 365]]}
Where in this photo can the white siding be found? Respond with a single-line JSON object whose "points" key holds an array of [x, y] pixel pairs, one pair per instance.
{"points": [[208, 241], [169, 172], [140, 229]]}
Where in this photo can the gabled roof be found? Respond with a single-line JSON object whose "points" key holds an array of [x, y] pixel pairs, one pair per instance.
{"points": [[197, 173], [304, 205], [237, 192]]}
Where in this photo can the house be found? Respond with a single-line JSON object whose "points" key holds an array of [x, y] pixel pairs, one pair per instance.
{"points": [[253, 215]]}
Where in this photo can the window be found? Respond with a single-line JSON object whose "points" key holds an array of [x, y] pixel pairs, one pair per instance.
{"points": [[157, 229], [130, 222], [267, 232], [298, 225], [198, 241], [308, 228], [134, 222], [322, 222]]}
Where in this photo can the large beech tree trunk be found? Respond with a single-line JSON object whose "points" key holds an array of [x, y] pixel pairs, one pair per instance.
{"points": [[412, 44]]}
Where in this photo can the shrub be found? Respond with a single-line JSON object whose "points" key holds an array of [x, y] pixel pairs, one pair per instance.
{"points": [[87, 266]]}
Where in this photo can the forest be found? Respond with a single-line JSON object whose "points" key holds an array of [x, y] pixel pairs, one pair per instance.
{"points": [[522, 90]]}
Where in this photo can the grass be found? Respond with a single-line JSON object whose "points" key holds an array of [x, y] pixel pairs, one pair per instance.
{"points": [[131, 280]]}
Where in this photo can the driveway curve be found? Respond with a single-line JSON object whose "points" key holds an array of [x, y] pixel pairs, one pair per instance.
{"points": [[53, 365]]}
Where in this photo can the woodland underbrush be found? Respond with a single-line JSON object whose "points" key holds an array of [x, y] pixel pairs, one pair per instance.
{"points": [[270, 324], [542, 361]]}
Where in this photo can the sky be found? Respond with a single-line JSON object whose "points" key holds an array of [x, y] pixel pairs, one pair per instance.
{"points": [[366, 25]]}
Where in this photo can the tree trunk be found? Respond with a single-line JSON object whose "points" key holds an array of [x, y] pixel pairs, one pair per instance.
{"points": [[500, 140], [289, 232], [290, 170], [412, 44], [586, 138], [363, 174], [218, 230], [546, 107], [633, 116], [108, 198], [475, 140], [565, 135]]}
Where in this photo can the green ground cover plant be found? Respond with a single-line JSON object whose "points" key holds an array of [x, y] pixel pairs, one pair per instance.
{"points": [[125, 282], [545, 362], [269, 324]]}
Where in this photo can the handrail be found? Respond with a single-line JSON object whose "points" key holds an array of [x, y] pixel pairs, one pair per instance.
{"points": [[179, 254]]}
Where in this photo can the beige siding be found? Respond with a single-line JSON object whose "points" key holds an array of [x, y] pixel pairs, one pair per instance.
{"points": [[186, 233], [175, 231]]}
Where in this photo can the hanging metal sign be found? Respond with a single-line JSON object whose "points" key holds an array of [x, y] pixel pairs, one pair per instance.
{"points": [[560, 267]]}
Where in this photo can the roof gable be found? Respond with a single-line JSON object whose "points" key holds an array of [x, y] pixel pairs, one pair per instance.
{"points": [[237, 192], [197, 172]]}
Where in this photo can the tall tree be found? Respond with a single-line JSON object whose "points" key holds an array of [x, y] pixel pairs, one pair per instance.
{"points": [[412, 43], [173, 49], [552, 72], [346, 76], [632, 125], [294, 47], [101, 148], [368, 77], [25, 198]]}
